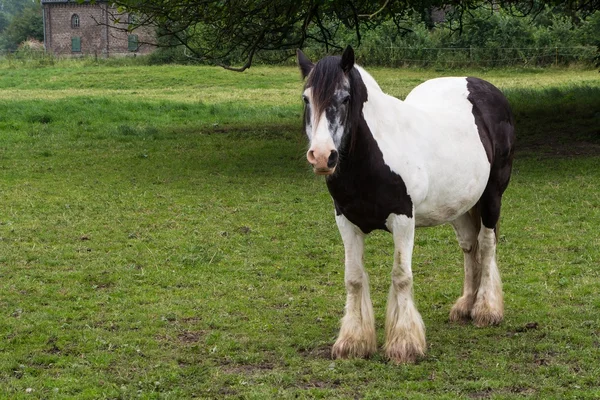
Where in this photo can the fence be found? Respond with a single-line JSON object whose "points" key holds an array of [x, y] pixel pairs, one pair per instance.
{"points": [[482, 57], [445, 57]]}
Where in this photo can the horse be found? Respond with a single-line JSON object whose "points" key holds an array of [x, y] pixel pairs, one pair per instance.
{"points": [[443, 155]]}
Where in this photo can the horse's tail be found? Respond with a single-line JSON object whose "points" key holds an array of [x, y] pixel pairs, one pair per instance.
{"points": [[475, 214]]}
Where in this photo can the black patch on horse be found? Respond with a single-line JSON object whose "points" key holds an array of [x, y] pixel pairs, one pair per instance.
{"points": [[495, 125], [364, 189]]}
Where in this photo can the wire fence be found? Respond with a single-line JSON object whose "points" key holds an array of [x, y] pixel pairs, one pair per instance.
{"points": [[479, 56], [446, 57]]}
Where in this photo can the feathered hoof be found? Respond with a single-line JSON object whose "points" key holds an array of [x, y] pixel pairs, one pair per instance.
{"points": [[484, 315], [461, 311], [403, 352], [353, 348]]}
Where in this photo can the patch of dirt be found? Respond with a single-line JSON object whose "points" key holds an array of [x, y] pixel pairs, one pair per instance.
{"points": [[190, 337], [53, 348], [530, 326], [527, 327], [543, 359], [542, 362], [244, 230], [321, 352]]}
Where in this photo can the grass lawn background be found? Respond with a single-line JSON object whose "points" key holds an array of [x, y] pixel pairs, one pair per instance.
{"points": [[161, 236]]}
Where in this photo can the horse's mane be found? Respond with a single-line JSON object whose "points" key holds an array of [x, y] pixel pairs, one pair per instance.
{"points": [[358, 97]]}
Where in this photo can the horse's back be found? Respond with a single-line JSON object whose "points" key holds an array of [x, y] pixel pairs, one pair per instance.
{"points": [[447, 95], [475, 98]]}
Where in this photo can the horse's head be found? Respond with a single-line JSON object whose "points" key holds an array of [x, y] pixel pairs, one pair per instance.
{"points": [[327, 107]]}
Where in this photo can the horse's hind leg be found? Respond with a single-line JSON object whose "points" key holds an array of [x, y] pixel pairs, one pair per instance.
{"points": [[489, 304], [489, 308], [466, 228]]}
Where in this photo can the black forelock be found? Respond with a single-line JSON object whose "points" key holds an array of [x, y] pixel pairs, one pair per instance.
{"points": [[324, 79]]}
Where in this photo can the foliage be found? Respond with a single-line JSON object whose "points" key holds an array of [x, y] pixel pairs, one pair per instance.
{"points": [[14, 7], [488, 39], [27, 24], [237, 31], [228, 31], [31, 53], [161, 236]]}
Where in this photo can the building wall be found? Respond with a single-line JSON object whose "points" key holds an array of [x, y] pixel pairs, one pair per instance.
{"points": [[96, 30]]}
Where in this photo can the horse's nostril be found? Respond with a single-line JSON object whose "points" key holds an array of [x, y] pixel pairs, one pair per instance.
{"points": [[333, 158], [310, 156]]}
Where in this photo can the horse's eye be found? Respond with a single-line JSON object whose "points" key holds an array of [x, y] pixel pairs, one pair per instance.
{"points": [[305, 100], [346, 99]]}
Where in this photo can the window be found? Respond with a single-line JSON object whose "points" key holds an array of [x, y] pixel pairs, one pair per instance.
{"points": [[76, 44], [132, 43], [75, 21]]}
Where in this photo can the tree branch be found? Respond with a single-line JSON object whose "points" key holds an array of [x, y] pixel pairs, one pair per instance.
{"points": [[369, 16]]}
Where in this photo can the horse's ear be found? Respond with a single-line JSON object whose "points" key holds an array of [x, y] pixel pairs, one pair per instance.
{"points": [[347, 59], [304, 63]]}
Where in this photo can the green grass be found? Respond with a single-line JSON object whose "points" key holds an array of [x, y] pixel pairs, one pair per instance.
{"points": [[161, 236]]}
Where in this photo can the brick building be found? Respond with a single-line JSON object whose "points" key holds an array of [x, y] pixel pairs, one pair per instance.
{"points": [[73, 28]]}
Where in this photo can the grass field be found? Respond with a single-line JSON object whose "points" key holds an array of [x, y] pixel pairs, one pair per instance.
{"points": [[161, 236]]}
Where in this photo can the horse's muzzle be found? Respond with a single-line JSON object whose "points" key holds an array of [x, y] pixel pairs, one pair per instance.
{"points": [[323, 171], [323, 164]]}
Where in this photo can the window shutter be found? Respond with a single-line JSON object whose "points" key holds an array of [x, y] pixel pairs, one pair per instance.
{"points": [[132, 42], [76, 44]]}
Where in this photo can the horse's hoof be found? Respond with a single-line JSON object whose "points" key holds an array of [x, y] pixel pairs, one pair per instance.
{"points": [[402, 352], [484, 315], [353, 348], [461, 311]]}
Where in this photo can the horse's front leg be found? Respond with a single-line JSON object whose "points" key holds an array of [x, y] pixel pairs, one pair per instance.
{"points": [[357, 334], [404, 328]]}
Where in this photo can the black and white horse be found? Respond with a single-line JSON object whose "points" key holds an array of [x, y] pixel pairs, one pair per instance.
{"points": [[444, 154]]}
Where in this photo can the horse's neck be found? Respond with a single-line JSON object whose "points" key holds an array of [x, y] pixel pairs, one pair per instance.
{"points": [[362, 152], [359, 147], [368, 80]]}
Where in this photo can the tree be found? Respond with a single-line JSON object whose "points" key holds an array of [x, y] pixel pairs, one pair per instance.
{"points": [[222, 31], [26, 24], [10, 8], [14, 7]]}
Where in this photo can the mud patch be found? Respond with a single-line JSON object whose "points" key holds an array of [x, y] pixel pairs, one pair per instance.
{"points": [[190, 337], [318, 353]]}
